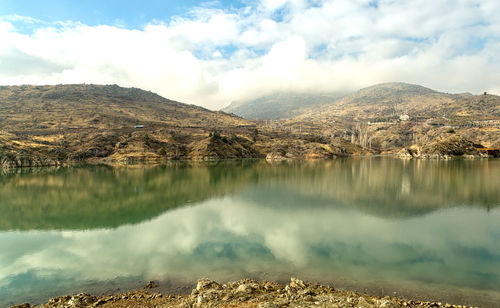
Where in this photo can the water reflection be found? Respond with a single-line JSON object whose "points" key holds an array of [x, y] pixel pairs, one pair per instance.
{"points": [[96, 197], [99, 196], [431, 222]]}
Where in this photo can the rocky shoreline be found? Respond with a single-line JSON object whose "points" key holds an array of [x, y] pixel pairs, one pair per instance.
{"points": [[41, 162], [241, 293]]}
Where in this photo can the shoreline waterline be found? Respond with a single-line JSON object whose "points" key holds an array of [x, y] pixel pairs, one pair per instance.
{"points": [[290, 292]]}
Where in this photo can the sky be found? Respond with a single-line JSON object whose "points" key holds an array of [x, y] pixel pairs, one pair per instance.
{"points": [[210, 53]]}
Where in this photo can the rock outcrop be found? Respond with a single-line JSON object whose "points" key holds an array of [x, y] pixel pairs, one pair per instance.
{"points": [[444, 148]]}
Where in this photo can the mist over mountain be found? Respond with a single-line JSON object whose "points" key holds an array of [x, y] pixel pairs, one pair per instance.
{"points": [[387, 101], [375, 103], [47, 125], [280, 105], [390, 116]]}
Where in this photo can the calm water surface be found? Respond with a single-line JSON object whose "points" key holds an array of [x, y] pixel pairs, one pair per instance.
{"points": [[418, 228]]}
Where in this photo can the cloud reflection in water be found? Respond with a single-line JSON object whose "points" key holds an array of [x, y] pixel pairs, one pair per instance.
{"points": [[290, 220]]}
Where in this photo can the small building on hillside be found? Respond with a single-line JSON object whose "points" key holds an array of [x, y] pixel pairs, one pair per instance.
{"points": [[404, 117], [139, 126]]}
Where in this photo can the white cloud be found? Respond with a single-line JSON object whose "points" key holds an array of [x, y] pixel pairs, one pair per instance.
{"points": [[212, 56], [5, 27], [272, 5], [176, 239]]}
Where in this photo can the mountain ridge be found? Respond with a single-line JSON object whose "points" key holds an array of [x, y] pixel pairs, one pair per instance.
{"points": [[397, 98], [50, 125], [279, 105], [285, 105]]}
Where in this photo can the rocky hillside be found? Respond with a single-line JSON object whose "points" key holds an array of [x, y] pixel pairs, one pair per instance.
{"points": [[385, 118], [44, 125], [391, 116], [378, 103], [70, 107], [50, 125], [390, 101]]}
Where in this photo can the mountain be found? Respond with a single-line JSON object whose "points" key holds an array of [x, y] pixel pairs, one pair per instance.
{"points": [[378, 103], [41, 125], [279, 105], [97, 106], [50, 125], [388, 101], [391, 116]]}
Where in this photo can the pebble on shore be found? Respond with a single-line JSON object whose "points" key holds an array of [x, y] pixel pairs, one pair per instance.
{"points": [[241, 293]]}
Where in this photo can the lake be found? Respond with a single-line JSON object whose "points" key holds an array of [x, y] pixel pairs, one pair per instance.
{"points": [[410, 228]]}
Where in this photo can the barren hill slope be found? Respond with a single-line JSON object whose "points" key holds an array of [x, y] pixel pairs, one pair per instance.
{"points": [[98, 106], [49, 125], [388, 101], [391, 116], [41, 125]]}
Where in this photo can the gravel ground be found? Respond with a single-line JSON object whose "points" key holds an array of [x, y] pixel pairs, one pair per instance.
{"points": [[241, 293]]}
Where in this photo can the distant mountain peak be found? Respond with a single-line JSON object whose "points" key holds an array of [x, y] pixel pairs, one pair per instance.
{"points": [[279, 105], [399, 86]]}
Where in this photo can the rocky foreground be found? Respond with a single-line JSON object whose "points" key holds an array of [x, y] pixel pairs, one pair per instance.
{"points": [[242, 293]]}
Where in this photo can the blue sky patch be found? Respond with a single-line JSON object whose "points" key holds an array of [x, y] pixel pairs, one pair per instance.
{"points": [[129, 14]]}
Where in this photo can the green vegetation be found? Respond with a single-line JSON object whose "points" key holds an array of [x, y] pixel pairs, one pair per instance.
{"points": [[255, 134], [215, 135], [162, 152]]}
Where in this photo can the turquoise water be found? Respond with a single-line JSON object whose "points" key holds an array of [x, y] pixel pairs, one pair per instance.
{"points": [[428, 228]]}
